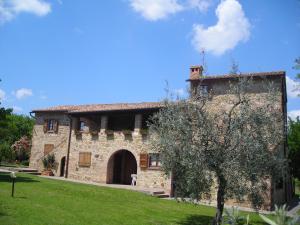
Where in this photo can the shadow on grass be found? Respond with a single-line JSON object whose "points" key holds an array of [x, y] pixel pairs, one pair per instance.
{"points": [[4, 177], [196, 220]]}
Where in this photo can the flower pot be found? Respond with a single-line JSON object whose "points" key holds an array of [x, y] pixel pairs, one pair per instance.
{"points": [[47, 173]]}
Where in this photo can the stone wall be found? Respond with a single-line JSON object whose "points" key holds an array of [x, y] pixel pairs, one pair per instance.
{"points": [[102, 147], [39, 139]]}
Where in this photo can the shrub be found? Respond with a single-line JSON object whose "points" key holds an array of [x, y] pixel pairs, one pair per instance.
{"points": [[49, 162]]}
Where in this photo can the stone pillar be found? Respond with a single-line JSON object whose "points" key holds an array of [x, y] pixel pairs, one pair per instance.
{"points": [[104, 123], [138, 123]]}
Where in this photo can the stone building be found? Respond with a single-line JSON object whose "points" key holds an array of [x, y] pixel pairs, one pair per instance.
{"points": [[106, 143]]}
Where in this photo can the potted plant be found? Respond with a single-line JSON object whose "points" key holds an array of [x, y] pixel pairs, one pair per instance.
{"points": [[49, 164]]}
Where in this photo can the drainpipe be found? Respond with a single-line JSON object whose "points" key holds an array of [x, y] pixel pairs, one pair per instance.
{"points": [[69, 146]]}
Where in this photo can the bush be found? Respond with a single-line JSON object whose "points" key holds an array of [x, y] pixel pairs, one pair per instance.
{"points": [[49, 162]]}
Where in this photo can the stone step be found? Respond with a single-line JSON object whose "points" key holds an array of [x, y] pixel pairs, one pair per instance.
{"points": [[27, 170], [162, 196], [157, 192]]}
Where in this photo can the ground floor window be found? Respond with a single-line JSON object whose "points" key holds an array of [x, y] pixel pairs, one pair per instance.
{"points": [[154, 160], [84, 159]]}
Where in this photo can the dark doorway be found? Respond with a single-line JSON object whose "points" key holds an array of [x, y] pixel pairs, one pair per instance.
{"points": [[62, 166], [120, 167]]}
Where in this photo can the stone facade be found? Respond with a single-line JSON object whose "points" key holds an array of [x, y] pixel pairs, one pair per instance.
{"points": [[104, 140], [101, 144], [40, 138]]}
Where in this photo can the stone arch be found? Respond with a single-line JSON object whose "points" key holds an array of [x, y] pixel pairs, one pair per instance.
{"points": [[120, 166]]}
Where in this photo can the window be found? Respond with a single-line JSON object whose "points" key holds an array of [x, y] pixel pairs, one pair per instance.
{"points": [[51, 125], [48, 148], [203, 90], [154, 160], [81, 125], [85, 159]]}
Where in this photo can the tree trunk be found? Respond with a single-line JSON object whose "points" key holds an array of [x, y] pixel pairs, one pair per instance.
{"points": [[220, 201]]}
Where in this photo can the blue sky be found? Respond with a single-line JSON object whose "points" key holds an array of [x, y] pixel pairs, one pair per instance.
{"points": [[57, 52]]}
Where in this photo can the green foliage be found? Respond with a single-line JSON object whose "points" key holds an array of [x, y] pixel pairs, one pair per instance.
{"points": [[49, 162], [294, 146], [280, 217], [233, 217], [12, 129]]}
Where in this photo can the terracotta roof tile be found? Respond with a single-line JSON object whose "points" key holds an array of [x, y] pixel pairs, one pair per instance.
{"points": [[101, 107]]}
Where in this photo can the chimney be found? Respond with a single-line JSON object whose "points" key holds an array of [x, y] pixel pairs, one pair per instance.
{"points": [[196, 72]]}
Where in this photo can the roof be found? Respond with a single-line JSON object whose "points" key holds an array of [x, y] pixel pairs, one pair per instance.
{"points": [[232, 76], [101, 107]]}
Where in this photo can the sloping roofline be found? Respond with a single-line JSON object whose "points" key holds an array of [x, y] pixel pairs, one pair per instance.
{"points": [[101, 107]]}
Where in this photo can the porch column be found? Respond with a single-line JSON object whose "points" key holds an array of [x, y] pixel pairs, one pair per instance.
{"points": [[104, 123], [138, 123]]}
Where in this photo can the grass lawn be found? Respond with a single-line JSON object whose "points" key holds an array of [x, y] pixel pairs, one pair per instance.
{"points": [[44, 201]]}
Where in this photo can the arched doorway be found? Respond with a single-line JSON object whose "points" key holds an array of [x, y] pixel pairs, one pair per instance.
{"points": [[120, 167], [62, 166]]}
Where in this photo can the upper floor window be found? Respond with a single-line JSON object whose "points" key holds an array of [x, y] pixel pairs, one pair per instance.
{"points": [[82, 125], [154, 160], [203, 90], [51, 125]]}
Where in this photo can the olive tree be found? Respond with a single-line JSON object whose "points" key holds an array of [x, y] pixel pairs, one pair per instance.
{"points": [[230, 145]]}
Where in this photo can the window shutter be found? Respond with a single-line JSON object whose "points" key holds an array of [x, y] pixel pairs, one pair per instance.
{"points": [[144, 160], [85, 159], [48, 148], [45, 126], [55, 126]]}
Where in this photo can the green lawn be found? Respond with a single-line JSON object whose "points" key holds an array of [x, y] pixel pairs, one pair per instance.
{"points": [[44, 201]]}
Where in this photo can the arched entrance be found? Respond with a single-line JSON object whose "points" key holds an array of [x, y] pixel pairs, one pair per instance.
{"points": [[62, 166], [120, 167]]}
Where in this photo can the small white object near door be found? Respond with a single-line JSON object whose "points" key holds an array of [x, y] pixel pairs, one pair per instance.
{"points": [[133, 179]]}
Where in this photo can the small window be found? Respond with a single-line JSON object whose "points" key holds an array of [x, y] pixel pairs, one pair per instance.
{"points": [[154, 160], [51, 125], [203, 90], [82, 126], [84, 159], [48, 148]]}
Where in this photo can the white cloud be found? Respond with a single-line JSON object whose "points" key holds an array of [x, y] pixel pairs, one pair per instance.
{"points": [[2, 94], [202, 5], [156, 9], [9, 9], [23, 93], [292, 88], [294, 114], [17, 109], [232, 28]]}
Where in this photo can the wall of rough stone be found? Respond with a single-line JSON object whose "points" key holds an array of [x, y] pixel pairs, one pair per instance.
{"points": [[102, 148], [39, 139]]}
